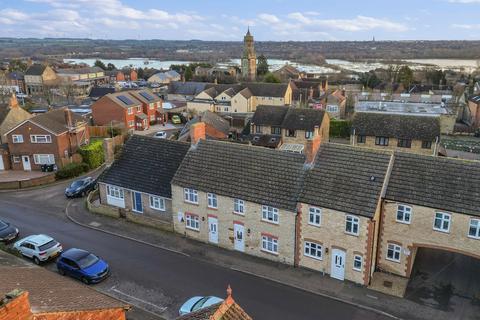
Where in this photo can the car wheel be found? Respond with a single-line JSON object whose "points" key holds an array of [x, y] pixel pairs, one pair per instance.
{"points": [[85, 280], [61, 271], [36, 261]]}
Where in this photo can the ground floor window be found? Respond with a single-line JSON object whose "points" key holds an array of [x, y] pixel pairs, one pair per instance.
{"points": [[474, 229], [192, 221], [313, 250], [157, 203], [44, 159], [357, 262], [115, 192], [269, 244], [393, 252]]}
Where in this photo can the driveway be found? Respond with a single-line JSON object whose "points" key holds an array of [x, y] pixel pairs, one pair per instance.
{"points": [[446, 281]]}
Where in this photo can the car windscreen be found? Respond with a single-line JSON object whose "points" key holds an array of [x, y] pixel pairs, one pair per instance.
{"points": [[3, 225], [76, 184], [199, 304], [87, 261], [47, 245]]}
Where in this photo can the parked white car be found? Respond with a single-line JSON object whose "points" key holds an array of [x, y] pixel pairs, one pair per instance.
{"points": [[38, 247], [160, 135]]}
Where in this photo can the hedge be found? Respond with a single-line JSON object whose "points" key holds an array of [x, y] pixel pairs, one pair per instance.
{"points": [[71, 170], [92, 154], [340, 128]]}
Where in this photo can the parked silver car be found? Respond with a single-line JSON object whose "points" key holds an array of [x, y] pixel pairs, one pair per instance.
{"points": [[38, 247]]}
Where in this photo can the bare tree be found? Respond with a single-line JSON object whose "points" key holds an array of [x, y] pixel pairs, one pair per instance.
{"points": [[67, 89]]}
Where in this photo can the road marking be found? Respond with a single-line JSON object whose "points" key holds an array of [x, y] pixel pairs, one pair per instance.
{"points": [[162, 309], [95, 224], [372, 297]]}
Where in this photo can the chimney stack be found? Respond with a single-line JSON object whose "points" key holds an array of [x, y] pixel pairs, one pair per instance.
{"points": [[197, 132], [311, 149], [13, 101], [68, 118]]}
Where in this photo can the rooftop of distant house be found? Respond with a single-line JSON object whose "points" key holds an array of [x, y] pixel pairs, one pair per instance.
{"points": [[401, 108]]}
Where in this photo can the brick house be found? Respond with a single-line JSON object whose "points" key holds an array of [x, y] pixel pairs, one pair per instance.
{"points": [[120, 107], [336, 104], [288, 128], [474, 109], [139, 181], [216, 127], [431, 202], [151, 103], [48, 138], [250, 207], [408, 133], [339, 212], [32, 293]]}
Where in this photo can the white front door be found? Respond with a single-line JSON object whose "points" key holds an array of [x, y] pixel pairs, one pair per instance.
{"points": [[238, 236], [26, 163], [2, 166], [213, 230], [338, 264]]}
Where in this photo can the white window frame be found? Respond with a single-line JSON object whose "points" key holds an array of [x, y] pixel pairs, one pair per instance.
{"points": [[131, 123], [16, 159], [309, 134], [39, 158], [239, 206], [354, 221], [474, 223], [130, 110], [313, 250], [270, 214], [315, 214], [192, 221], [269, 241], [139, 109], [394, 248], [34, 138], [212, 201], [115, 192], [357, 258], [405, 211], [157, 203], [442, 221], [17, 138], [190, 195], [332, 108]]}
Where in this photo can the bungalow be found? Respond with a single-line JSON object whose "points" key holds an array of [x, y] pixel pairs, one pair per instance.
{"points": [[139, 181], [417, 134]]}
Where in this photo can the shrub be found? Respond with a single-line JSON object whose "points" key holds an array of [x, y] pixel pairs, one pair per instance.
{"points": [[340, 128], [114, 131], [92, 154], [71, 170]]}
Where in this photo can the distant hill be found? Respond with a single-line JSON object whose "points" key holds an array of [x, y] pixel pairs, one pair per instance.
{"points": [[196, 50]]}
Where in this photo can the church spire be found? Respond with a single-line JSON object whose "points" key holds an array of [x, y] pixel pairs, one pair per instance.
{"points": [[248, 31]]}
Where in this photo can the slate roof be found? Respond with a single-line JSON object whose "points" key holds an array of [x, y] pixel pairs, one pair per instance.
{"points": [[211, 119], [16, 75], [146, 165], [303, 119], [396, 126], [341, 179], [115, 98], [269, 115], [246, 93], [84, 70], [261, 89], [98, 92], [35, 70], [55, 120], [255, 174], [475, 99], [442, 183], [187, 88], [138, 96]]}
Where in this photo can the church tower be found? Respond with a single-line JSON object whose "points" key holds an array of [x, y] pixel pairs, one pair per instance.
{"points": [[249, 58]]}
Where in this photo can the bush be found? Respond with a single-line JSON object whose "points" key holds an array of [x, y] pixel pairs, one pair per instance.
{"points": [[71, 170], [93, 154], [114, 131], [340, 128]]}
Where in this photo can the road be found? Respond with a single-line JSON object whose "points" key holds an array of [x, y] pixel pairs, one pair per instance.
{"points": [[158, 280]]}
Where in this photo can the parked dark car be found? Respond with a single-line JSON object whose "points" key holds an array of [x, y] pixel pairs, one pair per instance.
{"points": [[7, 232], [80, 187], [82, 265]]}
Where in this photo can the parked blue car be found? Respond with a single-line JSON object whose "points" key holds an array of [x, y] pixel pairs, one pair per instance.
{"points": [[82, 265]]}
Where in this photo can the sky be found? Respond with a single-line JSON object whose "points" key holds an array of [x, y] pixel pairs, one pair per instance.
{"points": [[226, 20]]}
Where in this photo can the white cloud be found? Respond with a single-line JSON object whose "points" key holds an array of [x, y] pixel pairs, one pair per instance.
{"points": [[268, 18], [466, 26], [464, 1]]}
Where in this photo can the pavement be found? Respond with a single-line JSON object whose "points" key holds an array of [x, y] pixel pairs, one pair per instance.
{"points": [[168, 127], [157, 271], [18, 175]]}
